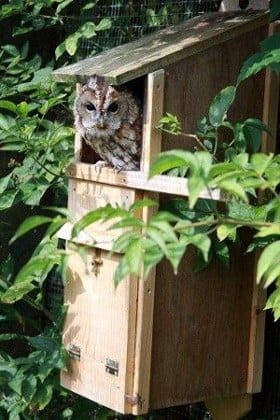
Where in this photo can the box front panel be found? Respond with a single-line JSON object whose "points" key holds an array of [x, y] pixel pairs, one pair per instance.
{"points": [[85, 196], [99, 331]]}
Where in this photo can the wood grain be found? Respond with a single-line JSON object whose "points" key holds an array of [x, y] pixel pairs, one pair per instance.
{"points": [[101, 322], [163, 48]]}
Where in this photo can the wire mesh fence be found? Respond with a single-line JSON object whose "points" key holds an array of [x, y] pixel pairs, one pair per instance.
{"points": [[133, 19]]}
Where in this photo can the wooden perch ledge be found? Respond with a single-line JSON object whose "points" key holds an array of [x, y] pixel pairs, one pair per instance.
{"points": [[136, 180]]}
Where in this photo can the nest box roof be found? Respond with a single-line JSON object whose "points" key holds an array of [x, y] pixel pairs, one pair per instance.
{"points": [[158, 50]]}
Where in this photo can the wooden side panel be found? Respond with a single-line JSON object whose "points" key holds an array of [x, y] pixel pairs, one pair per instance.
{"points": [[191, 85], [144, 331], [201, 331], [101, 323]]}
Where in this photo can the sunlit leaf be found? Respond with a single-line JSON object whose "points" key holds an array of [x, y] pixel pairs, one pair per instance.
{"points": [[174, 253], [260, 162], [121, 272], [134, 256], [226, 230], [269, 259], [220, 105], [171, 159], [29, 224]]}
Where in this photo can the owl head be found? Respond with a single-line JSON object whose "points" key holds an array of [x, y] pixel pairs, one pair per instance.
{"points": [[101, 109]]}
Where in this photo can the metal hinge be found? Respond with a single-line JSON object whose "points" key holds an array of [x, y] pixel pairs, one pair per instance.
{"points": [[74, 352], [112, 367]]}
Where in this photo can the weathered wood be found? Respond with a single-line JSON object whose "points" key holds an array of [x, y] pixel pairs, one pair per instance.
{"points": [[143, 344], [191, 85], [101, 323], [271, 103], [136, 180], [84, 196], [163, 48], [201, 350], [153, 111]]}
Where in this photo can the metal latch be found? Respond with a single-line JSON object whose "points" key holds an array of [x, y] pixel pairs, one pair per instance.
{"points": [[74, 352], [112, 367]]}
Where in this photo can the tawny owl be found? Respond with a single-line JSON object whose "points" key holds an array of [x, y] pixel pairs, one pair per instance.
{"points": [[109, 119]]}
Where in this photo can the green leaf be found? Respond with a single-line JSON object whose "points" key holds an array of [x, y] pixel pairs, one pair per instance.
{"points": [[43, 396], [104, 24], [7, 199], [246, 211], [44, 343], [17, 291], [4, 182], [140, 204], [134, 256], [233, 187], [122, 271], [260, 162], [102, 213], [268, 231], [33, 190], [165, 228], [196, 185], [88, 30], [258, 124], [226, 230], [273, 300], [123, 241], [29, 385], [60, 50], [156, 237], [174, 254], [202, 242], [62, 5], [220, 105], [268, 265], [71, 43], [29, 224], [258, 62], [10, 106], [152, 257], [274, 10], [253, 138], [171, 159], [133, 222]]}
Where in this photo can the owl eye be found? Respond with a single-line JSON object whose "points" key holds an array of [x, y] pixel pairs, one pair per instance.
{"points": [[90, 107], [113, 107]]}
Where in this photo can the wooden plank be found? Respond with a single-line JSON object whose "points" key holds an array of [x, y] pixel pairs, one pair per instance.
{"points": [[84, 196], [195, 87], [101, 323], [144, 333], [144, 330], [155, 51], [271, 103], [136, 180], [153, 111], [256, 342], [201, 330]]}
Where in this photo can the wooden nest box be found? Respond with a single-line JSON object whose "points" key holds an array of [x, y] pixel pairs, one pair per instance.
{"points": [[172, 339]]}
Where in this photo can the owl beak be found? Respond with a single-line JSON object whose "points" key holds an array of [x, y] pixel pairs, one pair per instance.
{"points": [[101, 122]]}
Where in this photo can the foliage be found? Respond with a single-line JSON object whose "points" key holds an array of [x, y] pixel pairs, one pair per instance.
{"points": [[36, 139]]}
